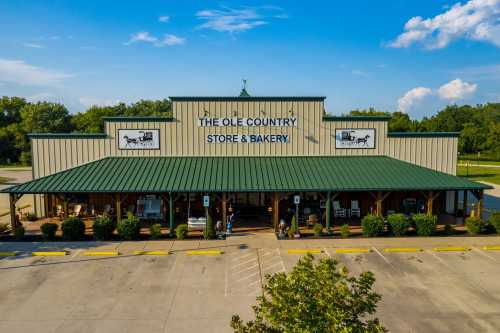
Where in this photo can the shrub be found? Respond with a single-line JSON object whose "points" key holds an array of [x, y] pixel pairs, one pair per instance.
{"points": [[345, 230], [209, 231], [318, 229], [181, 231], [155, 231], [19, 232], [399, 224], [315, 296], [103, 227], [372, 225], [425, 224], [449, 229], [294, 226], [73, 228], [494, 220], [49, 230], [129, 228], [290, 233], [4, 227], [474, 225], [31, 217]]}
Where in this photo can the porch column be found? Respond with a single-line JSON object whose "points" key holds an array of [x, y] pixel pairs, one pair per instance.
{"points": [[12, 206], [171, 213], [118, 203], [328, 211], [430, 203], [455, 206], [378, 204], [65, 206], [224, 210], [465, 203], [480, 203], [276, 207]]}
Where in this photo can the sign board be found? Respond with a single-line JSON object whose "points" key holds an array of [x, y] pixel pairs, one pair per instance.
{"points": [[206, 201], [357, 138], [139, 139], [296, 199]]}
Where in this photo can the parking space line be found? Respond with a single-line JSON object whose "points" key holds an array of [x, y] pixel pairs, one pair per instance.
{"points": [[403, 249], [48, 253], [77, 252], [8, 254], [153, 253], [246, 255], [243, 263], [101, 253], [382, 256], [326, 251], [491, 248], [452, 249], [304, 251], [484, 254], [352, 250], [246, 269], [247, 277], [203, 252]]}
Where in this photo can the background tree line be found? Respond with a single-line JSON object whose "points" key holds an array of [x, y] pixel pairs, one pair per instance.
{"points": [[479, 125]]}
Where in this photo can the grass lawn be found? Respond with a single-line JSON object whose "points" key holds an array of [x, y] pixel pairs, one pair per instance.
{"points": [[471, 162], [3, 180], [490, 175]]}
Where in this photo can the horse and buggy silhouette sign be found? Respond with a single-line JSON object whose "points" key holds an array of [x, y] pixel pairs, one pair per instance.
{"points": [[359, 138], [139, 139]]}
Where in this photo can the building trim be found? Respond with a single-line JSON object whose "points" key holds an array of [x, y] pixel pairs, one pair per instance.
{"points": [[423, 134], [356, 118], [246, 99], [137, 119], [67, 135]]}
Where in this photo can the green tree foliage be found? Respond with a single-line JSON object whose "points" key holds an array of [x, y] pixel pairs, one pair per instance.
{"points": [[315, 297]]}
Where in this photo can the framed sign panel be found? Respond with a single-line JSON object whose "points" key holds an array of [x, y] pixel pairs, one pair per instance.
{"points": [[355, 138], [139, 139]]}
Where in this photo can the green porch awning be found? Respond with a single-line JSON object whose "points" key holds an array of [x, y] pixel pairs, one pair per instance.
{"points": [[245, 174]]}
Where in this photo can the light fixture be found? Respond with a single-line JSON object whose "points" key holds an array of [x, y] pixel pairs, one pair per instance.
{"points": [[270, 209]]}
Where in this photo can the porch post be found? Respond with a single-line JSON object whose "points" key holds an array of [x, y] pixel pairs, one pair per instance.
{"points": [[118, 207], [171, 213], [480, 202], [224, 210], [65, 206], [378, 203], [276, 207], [465, 203], [455, 207], [430, 203], [327, 211], [12, 207]]}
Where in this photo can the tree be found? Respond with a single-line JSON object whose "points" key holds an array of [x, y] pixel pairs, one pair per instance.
{"points": [[315, 298], [45, 117]]}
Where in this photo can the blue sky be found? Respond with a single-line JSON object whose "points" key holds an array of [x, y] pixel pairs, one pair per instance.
{"points": [[414, 56]]}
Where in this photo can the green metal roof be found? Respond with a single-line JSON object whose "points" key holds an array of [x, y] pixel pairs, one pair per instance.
{"points": [[424, 134], [244, 174]]}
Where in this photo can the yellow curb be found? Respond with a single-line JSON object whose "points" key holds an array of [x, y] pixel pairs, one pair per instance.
{"points": [[353, 250], [153, 253], [100, 253], [491, 248], [7, 254], [48, 253], [203, 252], [403, 249], [304, 251], [451, 248]]}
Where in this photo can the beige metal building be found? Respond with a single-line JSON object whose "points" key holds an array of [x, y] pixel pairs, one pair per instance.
{"points": [[259, 127]]}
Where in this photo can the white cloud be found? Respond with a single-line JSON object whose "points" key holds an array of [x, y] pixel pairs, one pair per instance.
{"points": [[43, 97], [475, 20], [34, 45], [145, 37], [19, 72], [413, 97], [230, 20], [456, 89], [164, 18], [91, 101], [358, 72]]}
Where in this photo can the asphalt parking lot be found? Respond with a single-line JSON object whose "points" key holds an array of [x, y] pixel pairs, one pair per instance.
{"points": [[425, 291]]}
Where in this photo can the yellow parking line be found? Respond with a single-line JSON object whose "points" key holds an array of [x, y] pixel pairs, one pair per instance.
{"points": [[492, 248], [353, 250], [303, 251], [101, 253], [203, 252], [403, 249], [48, 253], [452, 248], [153, 253], [7, 254]]}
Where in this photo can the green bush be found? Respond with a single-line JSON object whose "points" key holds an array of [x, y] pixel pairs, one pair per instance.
{"points": [[181, 231], [425, 224], [318, 229], [103, 227], [449, 229], [345, 230], [4, 227], [294, 227], [19, 232], [494, 220], [155, 231], [399, 224], [372, 225], [31, 217], [49, 230], [290, 233], [129, 228], [73, 228], [209, 231], [474, 225]]}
